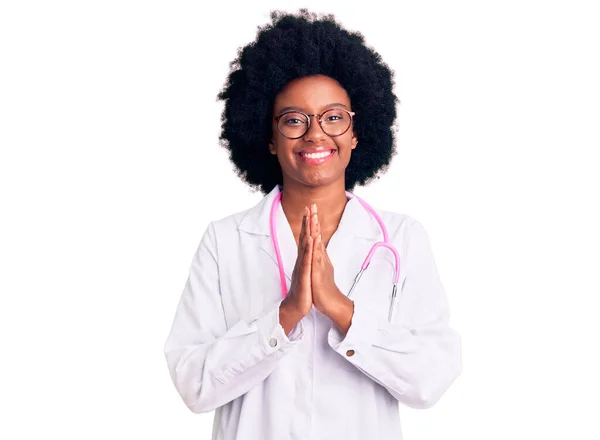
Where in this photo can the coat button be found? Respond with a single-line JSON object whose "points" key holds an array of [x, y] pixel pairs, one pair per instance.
{"points": [[273, 342], [350, 353]]}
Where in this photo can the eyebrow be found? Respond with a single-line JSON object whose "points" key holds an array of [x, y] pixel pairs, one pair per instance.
{"points": [[328, 106]]}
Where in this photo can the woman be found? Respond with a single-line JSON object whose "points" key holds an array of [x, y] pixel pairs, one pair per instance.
{"points": [[265, 332]]}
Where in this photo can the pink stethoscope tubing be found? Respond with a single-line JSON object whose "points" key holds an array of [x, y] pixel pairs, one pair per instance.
{"points": [[385, 243]]}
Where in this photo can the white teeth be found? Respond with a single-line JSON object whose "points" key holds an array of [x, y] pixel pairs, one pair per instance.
{"points": [[318, 155]]}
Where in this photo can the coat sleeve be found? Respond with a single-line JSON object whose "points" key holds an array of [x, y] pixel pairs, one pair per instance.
{"points": [[210, 364], [416, 360]]}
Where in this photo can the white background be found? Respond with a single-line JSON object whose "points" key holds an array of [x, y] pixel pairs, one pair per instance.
{"points": [[110, 170]]}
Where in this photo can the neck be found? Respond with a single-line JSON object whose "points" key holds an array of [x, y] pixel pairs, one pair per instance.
{"points": [[330, 200]]}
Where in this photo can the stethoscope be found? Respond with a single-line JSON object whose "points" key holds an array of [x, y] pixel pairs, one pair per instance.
{"points": [[384, 243]]}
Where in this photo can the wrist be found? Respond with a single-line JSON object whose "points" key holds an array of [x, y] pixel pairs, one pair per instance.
{"points": [[290, 310], [335, 303], [288, 319]]}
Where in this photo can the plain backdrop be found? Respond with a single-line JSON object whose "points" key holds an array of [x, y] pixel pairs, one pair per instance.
{"points": [[110, 171]]}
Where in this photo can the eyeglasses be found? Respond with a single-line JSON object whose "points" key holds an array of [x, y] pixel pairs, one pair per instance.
{"points": [[333, 122]]}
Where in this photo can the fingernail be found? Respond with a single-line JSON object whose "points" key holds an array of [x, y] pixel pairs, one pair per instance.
{"points": [[315, 218], [319, 239], [315, 206]]}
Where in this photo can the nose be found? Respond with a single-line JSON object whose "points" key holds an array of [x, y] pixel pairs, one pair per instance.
{"points": [[314, 132]]}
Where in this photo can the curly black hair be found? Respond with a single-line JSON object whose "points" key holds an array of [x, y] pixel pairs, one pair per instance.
{"points": [[294, 46]]}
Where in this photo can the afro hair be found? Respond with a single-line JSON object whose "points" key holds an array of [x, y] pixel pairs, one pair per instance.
{"points": [[294, 46]]}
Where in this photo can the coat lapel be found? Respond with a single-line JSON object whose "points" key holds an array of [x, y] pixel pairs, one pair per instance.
{"points": [[257, 222], [287, 244]]}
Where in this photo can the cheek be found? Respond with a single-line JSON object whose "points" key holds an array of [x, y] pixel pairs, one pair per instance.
{"points": [[285, 156], [280, 144], [285, 149], [344, 145]]}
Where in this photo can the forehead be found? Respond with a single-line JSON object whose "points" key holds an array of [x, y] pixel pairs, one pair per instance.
{"points": [[312, 93]]}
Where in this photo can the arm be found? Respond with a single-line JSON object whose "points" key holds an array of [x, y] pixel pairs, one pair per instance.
{"points": [[209, 364], [415, 363]]}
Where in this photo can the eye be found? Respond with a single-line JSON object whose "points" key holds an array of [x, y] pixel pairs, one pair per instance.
{"points": [[293, 119], [334, 115]]}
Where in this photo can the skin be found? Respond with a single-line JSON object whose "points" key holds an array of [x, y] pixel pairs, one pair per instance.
{"points": [[313, 201]]}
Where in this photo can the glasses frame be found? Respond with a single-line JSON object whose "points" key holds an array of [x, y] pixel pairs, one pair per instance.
{"points": [[319, 120]]}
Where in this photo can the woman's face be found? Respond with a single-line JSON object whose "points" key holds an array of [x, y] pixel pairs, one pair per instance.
{"points": [[312, 95]]}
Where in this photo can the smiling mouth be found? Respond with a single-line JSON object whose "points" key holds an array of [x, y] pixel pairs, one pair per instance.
{"points": [[316, 158], [317, 155]]}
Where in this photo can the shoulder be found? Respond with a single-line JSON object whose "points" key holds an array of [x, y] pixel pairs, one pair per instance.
{"points": [[231, 221], [222, 234], [253, 220], [228, 224], [402, 226], [396, 221]]}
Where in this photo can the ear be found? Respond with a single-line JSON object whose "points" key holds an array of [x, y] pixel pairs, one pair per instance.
{"points": [[272, 147], [354, 141]]}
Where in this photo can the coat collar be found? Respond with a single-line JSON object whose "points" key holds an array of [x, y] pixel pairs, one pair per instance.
{"points": [[356, 222]]}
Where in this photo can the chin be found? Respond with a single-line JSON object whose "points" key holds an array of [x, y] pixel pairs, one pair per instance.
{"points": [[317, 181], [312, 178]]}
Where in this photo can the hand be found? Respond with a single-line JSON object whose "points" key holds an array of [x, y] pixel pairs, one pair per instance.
{"points": [[299, 299], [324, 290]]}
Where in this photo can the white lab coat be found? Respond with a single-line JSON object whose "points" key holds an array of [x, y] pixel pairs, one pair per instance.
{"points": [[226, 350]]}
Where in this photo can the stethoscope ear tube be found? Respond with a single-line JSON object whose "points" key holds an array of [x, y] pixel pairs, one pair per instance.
{"points": [[396, 258], [355, 282], [392, 300], [396, 273], [394, 290]]}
